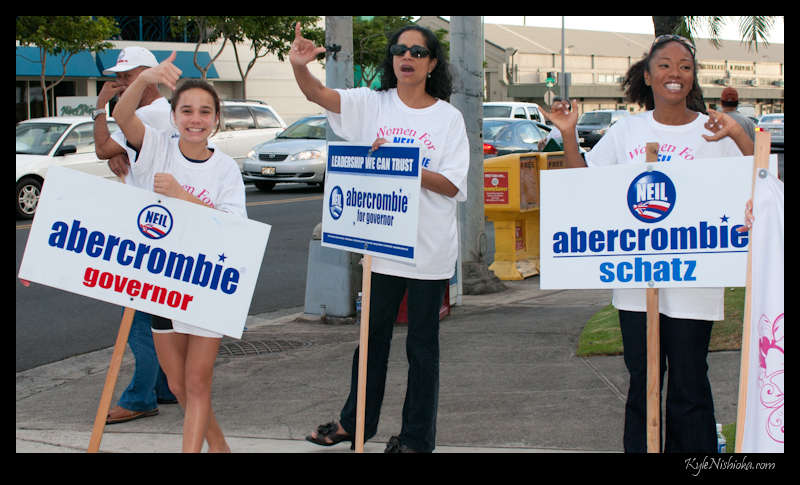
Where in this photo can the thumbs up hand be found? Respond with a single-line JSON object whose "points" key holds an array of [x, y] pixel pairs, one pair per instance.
{"points": [[165, 73]]}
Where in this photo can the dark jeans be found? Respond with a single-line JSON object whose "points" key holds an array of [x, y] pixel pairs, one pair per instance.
{"points": [[690, 426], [422, 350], [149, 383]]}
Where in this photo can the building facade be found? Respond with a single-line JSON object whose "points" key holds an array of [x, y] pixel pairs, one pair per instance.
{"points": [[517, 62], [270, 81], [519, 58]]}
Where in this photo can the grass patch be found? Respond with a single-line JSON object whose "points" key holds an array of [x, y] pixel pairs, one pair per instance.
{"points": [[602, 336]]}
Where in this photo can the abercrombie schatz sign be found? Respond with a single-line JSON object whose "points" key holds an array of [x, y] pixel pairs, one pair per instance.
{"points": [[654, 225]]}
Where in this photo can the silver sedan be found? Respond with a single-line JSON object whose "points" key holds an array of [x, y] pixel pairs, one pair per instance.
{"points": [[296, 155]]}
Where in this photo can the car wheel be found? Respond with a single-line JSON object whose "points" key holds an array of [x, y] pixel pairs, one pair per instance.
{"points": [[265, 186], [28, 191]]}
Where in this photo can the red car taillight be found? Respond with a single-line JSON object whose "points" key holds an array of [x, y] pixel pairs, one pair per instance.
{"points": [[489, 149]]}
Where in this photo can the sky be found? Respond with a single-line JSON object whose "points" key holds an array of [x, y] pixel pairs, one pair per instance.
{"points": [[632, 24]]}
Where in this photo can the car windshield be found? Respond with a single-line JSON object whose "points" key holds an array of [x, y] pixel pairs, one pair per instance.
{"points": [[493, 127], [594, 118], [772, 119], [309, 128], [38, 138], [496, 111]]}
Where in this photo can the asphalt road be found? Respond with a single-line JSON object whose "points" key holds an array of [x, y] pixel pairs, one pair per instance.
{"points": [[52, 324]]}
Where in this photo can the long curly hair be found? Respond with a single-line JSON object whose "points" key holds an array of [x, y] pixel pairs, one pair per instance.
{"points": [[440, 84], [638, 92]]}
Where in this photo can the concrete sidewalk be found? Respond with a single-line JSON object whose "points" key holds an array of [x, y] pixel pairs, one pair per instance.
{"points": [[509, 382]]}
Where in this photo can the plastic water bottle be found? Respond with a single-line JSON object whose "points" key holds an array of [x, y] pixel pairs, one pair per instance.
{"points": [[722, 444], [358, 307]]}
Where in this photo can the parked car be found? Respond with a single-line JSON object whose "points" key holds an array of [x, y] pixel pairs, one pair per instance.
{"points": [[66, 141], [296, 155], [773, 123], [513, 109], [502, 136], [592, 125], [243, 125]]}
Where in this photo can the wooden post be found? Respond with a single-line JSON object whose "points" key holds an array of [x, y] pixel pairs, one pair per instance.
{"points": [[361, 397], [111, 380], [653, 352], [760, 161]]}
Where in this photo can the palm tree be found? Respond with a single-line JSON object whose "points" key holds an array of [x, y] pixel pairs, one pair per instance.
{"points": [[753, 29]]}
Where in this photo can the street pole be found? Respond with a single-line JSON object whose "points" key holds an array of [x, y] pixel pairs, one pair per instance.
{"points": [[562, 82], [466, 48], [339, 57], [333, 276]]}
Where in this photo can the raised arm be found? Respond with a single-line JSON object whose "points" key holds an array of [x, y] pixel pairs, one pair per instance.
{"points": [[302, 52], [104, 146], [565, 117], [125, 111]]}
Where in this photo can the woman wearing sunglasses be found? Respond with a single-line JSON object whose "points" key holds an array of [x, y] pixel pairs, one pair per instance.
{"points": [[665, 83], [411, 104]]}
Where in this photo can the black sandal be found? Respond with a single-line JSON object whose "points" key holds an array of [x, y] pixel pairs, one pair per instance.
{"points": [[329, 431]]}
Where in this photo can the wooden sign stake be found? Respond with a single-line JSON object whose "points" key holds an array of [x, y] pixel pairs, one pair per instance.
{"points": [[653, 352], [111, 380], [760, 161], [361, 398]]}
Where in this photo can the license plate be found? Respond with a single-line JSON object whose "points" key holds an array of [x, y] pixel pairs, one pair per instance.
{"points": [[267, 170]]}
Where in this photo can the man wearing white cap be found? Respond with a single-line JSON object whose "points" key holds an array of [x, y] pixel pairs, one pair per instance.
{"points": [[154, 109], [149, 386]]}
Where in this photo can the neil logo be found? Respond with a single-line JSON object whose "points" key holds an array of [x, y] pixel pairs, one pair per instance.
{"points": [[155, 221], [336, 203], [651, 196]]}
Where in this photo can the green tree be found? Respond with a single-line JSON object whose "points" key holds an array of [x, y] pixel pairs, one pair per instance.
{"points": [[63, 36], [752, 29], [265, 34], [269, 35]]}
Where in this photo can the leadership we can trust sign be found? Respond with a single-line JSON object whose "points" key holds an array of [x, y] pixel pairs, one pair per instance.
{"points": [[371, 202], [654, 225]]}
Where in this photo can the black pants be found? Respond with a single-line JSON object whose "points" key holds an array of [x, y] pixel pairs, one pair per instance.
{"points": [[422, 350], [690, 426]]}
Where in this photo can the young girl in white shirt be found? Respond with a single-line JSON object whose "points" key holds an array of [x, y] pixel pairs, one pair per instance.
{"points": [[185, 168]]}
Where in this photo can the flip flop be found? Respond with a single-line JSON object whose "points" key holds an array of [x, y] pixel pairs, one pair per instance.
{"points": [[124, 415], [329, 431]]}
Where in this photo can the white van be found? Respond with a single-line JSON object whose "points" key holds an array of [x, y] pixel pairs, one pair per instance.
{"points": [[513, 109]]}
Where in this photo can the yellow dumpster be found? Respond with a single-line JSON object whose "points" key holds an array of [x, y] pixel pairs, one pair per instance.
{"points": [[511, 202]]}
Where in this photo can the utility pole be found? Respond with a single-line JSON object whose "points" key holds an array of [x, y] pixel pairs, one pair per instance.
{"points": [[466, 49], [334, 276], [339, 56]]}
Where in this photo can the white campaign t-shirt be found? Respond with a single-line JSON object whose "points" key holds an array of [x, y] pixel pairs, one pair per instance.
{"points": [[217, 182], [440, 133], [157, 114], [625, 142]]}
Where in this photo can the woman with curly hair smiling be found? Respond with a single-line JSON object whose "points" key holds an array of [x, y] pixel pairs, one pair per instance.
{"points": [[412, 101], [665, 83]]}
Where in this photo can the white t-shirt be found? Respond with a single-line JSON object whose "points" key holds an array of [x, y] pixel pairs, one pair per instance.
{"points": [[625, 142], [156, 114], [440, 133], [216, 181]]}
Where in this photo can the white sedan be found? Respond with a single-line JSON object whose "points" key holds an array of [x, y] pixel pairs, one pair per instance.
{"points": [[66, 141]]}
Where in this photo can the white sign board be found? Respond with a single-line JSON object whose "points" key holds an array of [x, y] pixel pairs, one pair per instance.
{"points": [[654, 225], [371, 203], [139, 249]]}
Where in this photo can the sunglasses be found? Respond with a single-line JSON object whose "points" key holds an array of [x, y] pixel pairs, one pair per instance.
{"points": [[669, 37], [416, 51]]}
